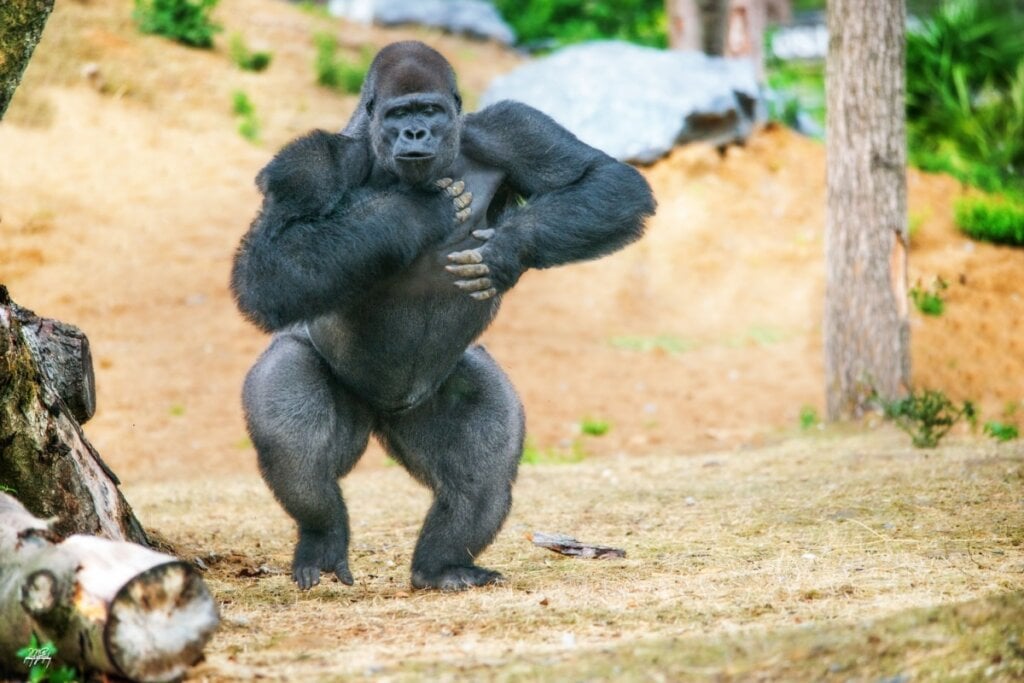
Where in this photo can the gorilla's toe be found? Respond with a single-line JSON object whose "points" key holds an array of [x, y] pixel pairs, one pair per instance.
{"points": [[456, 578], [306, 577], [343, 574]]}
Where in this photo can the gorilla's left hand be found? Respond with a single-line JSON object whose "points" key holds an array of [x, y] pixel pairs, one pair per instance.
{"points": [[489, 269]]}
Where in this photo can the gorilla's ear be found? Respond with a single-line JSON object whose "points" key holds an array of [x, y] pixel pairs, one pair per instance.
{"points": [[458, 101]]}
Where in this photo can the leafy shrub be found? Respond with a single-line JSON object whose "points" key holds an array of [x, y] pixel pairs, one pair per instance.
{"points": [[245, 110], [927, 416], [991, 219], [929, 301], [550, 23], [592, 427], [1000, 431], [246, 59], [334, 72], [186, 21], [965, 93], [808, 418]]}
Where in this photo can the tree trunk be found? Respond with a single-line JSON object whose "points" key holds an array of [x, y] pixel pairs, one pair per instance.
{"points": [[21, 27], [867, 337], [107, 606], [730, 28], [45, 459]]}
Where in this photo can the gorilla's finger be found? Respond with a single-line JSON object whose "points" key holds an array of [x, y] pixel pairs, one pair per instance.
{"points": [[455, 189], [467, 256], [484, 234], [484, 296], [463, 200], [443, 183], [474, 285], [474, 270], [463, 216]]}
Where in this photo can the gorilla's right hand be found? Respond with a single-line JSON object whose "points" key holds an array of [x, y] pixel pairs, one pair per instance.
{"points": [[486, 271], [456, 189]]}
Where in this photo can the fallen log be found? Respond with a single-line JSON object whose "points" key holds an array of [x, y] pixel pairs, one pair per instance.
{"points": [[567, 545], [107, 606], [46, 379]]}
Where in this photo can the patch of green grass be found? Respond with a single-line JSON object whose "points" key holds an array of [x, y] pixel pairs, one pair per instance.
{"points": [[245, 110], [1000, 431], [533, 455], [40, 671], [7, 489], [991, 219], [930, 301], [334, 72], [185, 21], [592, 427], [246, 59], [927, 415], [664, 342], [808, 418]]}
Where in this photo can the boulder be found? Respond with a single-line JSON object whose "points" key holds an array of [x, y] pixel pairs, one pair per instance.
{"points": [[475, 18], [636, 103]]}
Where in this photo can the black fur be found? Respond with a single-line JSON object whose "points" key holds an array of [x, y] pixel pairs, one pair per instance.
{"points": [[346, 262]]}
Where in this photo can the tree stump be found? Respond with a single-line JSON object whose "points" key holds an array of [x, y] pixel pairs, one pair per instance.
{"points": [[107, 606], [46, 381]]}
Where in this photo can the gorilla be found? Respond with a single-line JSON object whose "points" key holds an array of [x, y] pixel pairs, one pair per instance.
{"points": [[377, 258]]}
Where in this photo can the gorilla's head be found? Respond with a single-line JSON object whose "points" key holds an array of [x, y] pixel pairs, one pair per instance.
{"points": [[412, 106]]}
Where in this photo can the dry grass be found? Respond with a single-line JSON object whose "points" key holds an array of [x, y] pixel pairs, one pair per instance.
{"points": [[817, 532]]}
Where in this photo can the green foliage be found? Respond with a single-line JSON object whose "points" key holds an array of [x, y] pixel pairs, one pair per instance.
{"points": [[991, 219], [929, 301], [246, 59], [664, 342], [551, 23], [333, 71], [965, 93], [1000, 431], [592, 427], [245, 110], [927, 416], [4, 488], [797, 87], [186, 21], [40, 672], [808, 418], [533, 455]]}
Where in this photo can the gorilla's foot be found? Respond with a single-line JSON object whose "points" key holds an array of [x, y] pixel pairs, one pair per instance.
{"points": [[455, 578], [317, 551]]}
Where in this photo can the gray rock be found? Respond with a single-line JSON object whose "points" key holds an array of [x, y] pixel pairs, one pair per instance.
{"points": [[635, 103], [475, 18]]}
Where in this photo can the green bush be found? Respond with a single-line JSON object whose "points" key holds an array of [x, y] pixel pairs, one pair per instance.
{"points": [[334, 72], [965, 93], [592, 427], [991, 219], [1000, 431], [550, 23], [929, 301], [927, 416], [246, 59], [186, 21]]}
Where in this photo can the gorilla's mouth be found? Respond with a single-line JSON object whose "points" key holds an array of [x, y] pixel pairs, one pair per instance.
{"points": [[415, 156]]}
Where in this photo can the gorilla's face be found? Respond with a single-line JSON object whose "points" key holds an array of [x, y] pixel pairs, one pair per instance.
{"points": [[416, 136]]}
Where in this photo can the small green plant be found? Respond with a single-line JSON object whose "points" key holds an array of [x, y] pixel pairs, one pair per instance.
{"points": [[992, 219], [246, 59], [930, 301], [334, 72], [665, 342], [808, 418], [592, 427], [245, 110], [1000, 431], [186, 21], [926, 415], [38, 657], [7, 489], [532, 455]]}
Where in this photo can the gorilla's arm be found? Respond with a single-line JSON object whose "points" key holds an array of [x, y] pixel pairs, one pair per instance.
{"points": [[313, 247], [581, 203]]}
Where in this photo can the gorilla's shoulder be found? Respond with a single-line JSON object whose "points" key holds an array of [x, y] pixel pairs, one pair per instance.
{"points": [[311, 171], [508, 113]]}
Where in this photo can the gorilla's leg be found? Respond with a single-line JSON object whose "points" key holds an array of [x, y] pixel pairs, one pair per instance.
{"points": [[464, 443], [308, 432]]}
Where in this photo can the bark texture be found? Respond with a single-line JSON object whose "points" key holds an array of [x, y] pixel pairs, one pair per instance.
{"points": [[866, 329], [21, 27], [110, 607], [45, 459]]}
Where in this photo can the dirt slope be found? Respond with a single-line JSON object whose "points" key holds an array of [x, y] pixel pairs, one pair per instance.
{"points": [[124, 188]]}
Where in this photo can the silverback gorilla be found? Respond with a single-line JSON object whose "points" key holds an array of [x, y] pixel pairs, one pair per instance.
{"points": [[379, 255]]}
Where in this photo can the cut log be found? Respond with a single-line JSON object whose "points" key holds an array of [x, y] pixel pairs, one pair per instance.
{"points": [[107, 606], [567, 545], [45, 459]]}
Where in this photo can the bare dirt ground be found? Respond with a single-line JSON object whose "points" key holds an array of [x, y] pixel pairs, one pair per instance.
{"points": [[123, 194]]}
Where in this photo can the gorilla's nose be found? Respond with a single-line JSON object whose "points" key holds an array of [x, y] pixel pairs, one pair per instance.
{"points": [[414, 133]]}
